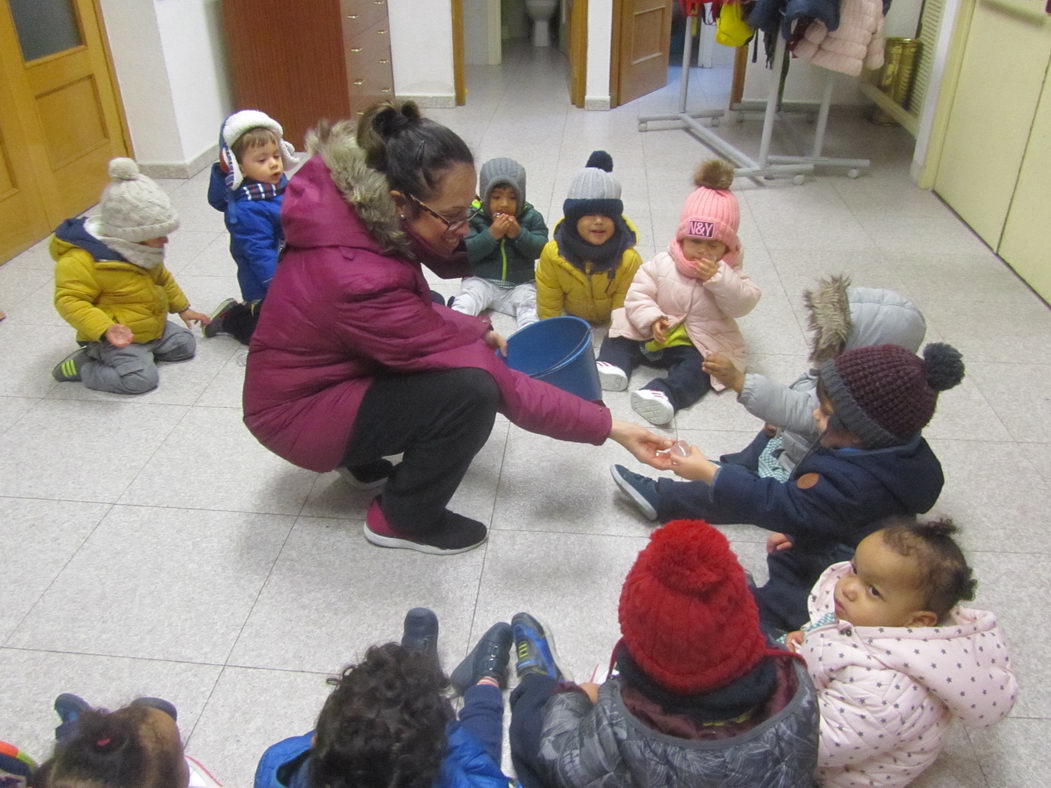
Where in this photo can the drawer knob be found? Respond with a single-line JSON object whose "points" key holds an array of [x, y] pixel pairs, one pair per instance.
{"points": [[381, 32], [352, 16], [359, 82], [355, 49]]}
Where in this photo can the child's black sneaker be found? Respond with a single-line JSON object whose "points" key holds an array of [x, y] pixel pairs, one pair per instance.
{"points": [[457, 534], [642, 490], [489, 658], [420, 632], [68, 369], [534, 648], [369, 476], [215, 319]]}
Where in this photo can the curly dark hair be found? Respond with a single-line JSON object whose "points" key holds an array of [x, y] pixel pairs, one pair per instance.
{"points": [[108, 749], [384, 724], [946, 577]]}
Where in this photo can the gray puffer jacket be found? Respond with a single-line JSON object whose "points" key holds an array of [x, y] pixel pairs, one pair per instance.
{"points": [[841, 318], [605, 746]]}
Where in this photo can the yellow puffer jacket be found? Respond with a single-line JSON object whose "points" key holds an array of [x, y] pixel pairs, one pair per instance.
{"points": [[562, 288], [92, 295]]}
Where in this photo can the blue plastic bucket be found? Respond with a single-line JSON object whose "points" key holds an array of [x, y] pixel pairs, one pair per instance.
{"points": [[557, 351]]}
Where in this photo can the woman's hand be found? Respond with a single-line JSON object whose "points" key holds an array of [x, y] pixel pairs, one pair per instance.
{"points": [[496, 342], [694, 466], [642, 443]]}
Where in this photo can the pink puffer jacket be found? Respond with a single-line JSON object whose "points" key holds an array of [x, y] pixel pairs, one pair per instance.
{"points": [[857, 42], [888, 694], [709, 308]]}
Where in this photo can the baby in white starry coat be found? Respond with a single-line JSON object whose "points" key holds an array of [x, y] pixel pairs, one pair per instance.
{"points": [[894, 658]]}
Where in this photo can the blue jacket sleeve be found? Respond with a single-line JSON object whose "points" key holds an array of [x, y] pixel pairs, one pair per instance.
{"points": [[258, 235], [217, 189]]}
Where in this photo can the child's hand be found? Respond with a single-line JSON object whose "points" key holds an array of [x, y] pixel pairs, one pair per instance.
{"points": [[793, 640], [694, 466], [498, 229], [706, 269], [496, 342], [189, 317], [591, 690], [770, 430], [720, 367], [513, 228], [777, 542], [659, 329], [119, 335]]}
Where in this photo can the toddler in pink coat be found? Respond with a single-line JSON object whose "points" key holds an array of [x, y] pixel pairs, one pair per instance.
{"points": [[894, 658], [681, 305]]}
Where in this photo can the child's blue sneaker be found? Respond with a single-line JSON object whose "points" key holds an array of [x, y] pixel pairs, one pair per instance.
{"points": [[68, 707], [489, 658], [534, 649], [420, 632], [642, 490]]}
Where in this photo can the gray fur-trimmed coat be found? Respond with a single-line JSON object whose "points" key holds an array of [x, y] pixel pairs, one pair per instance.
{"points": [[604, 746]]}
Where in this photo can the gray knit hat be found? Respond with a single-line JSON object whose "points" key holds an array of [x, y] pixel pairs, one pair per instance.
{"points": [[594, 190], [502, 172], [133, 207]]}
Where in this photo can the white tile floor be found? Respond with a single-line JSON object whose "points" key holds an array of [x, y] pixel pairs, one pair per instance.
{"points": [[153, 547]]}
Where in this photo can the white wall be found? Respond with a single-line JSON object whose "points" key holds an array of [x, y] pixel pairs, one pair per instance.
{"points": [[806, 82], [600, 31], [421, 40], [171, 70]]}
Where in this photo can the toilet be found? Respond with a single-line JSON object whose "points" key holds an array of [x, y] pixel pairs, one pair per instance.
{"points": [[541, 11]]}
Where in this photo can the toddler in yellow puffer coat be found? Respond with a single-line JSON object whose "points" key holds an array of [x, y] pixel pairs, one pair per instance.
{"points": [[111, 285]]}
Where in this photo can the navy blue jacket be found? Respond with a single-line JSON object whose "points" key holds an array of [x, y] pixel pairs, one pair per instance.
{"points": [[466, 765], [253, 218]]}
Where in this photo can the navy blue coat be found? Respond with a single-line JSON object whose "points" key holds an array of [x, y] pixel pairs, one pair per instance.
{"points": [[255, 230]]}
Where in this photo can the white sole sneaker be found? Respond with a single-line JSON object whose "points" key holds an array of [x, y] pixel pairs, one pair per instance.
{"points": [[611, 377], [420, 547], [652, 406], [348, 477]]}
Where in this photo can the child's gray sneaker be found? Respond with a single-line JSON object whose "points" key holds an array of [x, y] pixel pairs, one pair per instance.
{"points": [[68, 369]]}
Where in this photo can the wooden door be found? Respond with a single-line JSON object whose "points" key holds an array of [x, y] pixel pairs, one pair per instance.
{"points": [[642, 43], [65, 120], [1004, 62]]}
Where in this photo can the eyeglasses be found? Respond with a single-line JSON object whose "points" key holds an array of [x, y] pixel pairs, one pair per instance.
{"points": [[451, 228]]}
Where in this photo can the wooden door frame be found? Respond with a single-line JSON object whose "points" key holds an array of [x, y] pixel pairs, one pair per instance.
{"points": [[614, 53], [459, 85], [578, 52], [125, 130]]}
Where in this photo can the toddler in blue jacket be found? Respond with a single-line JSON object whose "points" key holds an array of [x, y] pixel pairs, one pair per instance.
{"points": [[389, 723], [247, 185], [869, 463]]}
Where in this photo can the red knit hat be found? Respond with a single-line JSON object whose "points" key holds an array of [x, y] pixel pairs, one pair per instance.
{"points": [[885, 394], [686, 615]]}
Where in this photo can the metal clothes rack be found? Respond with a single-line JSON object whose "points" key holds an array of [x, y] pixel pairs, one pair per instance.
{"points": [[766, 166]]}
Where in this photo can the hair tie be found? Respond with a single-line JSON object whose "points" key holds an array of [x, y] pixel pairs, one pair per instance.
{"points": [[103, 742]]}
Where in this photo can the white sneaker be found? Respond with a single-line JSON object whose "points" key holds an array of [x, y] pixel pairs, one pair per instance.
{"points": [[611, 377], [652, 405]]}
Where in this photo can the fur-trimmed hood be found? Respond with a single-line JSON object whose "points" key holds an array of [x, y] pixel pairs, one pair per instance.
{"points": [[311, 219], [843, 317]]}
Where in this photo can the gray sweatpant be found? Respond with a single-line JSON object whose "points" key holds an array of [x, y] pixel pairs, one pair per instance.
{"points": [[477, 294], [133, 369]]}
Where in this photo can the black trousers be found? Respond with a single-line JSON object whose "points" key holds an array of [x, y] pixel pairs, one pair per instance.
{"points": [[241, 320], [686, 382], [439, 420]]}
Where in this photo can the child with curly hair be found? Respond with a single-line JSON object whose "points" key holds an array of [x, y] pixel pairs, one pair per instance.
{"points": [[895, 659], [389, 724]]}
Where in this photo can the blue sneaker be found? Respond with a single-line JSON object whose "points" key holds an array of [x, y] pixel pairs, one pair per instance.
{"points": [[420, 632], [642, 490], [534, 649], [68, 707], [489, 658]]}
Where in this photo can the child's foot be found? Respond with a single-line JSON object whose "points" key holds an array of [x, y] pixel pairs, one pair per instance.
{"points": [[534, 648], [457, 534], [652, 405], [158, 703], [488, 659], [68, 707], [642, 490], [370, 476], [68, 370], [420, 632], [611, 376], [215, 324]]}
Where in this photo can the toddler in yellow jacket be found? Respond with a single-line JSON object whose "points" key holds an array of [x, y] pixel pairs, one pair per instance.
{"points": [[585, 271], [112, 287]]}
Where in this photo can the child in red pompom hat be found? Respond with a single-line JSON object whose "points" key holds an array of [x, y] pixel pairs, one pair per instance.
{"points": [[699, 698]]}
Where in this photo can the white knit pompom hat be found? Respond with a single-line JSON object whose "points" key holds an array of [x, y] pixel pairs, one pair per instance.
{"points": [[236, 125], [133, 207]]}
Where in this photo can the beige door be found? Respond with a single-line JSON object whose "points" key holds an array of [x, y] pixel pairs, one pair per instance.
{"points": [[64, 121], [1004, 62], [641, 46]]}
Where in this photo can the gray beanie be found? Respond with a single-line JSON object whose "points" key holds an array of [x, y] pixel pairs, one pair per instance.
{"points": [[502, 172], [133, 207], [594, 190]]}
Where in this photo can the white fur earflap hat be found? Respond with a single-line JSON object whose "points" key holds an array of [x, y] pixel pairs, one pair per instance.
{"points": [[236, 125]]}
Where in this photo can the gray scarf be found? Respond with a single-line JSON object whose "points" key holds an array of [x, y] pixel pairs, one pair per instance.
{"points": [[138, 254]]}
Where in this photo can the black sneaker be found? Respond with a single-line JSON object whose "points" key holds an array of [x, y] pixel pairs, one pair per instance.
{"points": [[489, 657], [457, 534], [642, 490], [420, 632], [368, 476], [534, 648], [214, 326], [68, 369]]}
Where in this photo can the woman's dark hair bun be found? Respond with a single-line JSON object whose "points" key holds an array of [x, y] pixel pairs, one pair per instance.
{"points": [[392, 120], [944, 366]]}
